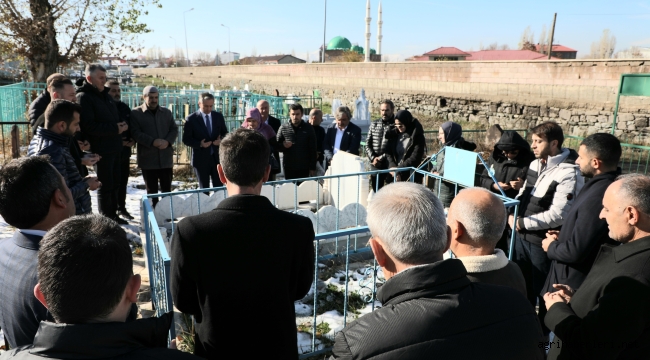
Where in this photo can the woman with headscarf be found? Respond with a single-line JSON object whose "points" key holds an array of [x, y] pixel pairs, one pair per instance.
{"points": [[450, 134], [508, 164], [407, 145], [254, 122]]}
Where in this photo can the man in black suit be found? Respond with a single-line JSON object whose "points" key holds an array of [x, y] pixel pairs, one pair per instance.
{"points": [[203, 132], [245, 228], [342, 135], [315, 119], [264, 108], [33, 199]]}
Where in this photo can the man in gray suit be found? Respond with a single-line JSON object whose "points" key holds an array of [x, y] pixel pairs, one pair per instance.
{"points": [[33, 199]]}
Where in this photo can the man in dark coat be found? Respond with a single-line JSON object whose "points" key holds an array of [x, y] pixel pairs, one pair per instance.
{"points": [[49, 202], [430, 309], [342, 135], [61, 123], [574, 248], [273, 239], [477, 219], [102, 127], [508, 164], [37, 107], [297, 140], [90, 293], [315, 119], [203, 132], [377, 145], [608, 317], [155, 131], [265, 109], [127, 144]]}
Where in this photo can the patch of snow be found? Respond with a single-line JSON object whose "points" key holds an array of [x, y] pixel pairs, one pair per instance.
{"points": [[304, 343]]}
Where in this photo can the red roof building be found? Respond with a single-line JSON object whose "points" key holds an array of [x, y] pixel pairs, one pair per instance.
{"points": [[506, 55], [445, 53], [559, 51]]}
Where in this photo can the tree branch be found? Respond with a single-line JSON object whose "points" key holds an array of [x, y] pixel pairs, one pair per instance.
{"points": [[74, 37]]}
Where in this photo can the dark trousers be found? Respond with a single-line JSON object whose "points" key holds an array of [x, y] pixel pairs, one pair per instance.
{"points": [[204, 175], [125, 168], [377, 181], [151, 178], [108, 173], [535, 265], [295, 173]]}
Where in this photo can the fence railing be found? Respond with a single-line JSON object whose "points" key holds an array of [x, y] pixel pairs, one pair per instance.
{"points": [[634, 158], [337, 241]]}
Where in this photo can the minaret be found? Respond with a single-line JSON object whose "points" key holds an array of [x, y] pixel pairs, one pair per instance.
{"points": [[368, 18], [379, 36]]}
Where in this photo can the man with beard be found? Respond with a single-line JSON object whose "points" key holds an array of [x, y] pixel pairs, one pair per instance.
{"points": [[127, 144], [574, 248], [61, 123], [377, 145]]}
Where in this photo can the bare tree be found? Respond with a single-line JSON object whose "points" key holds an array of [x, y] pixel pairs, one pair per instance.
{"points": [[179, 56], [307, 57], [543, 41], [504, 47], [604, 48], [53, 33], [293, 52], [217, 58], [528, 36], [204, 58], [254, 52], [160, 55]]}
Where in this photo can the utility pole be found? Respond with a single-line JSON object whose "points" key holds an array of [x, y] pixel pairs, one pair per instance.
{"points": [[187, 52], [324, 30], [550, 45]]}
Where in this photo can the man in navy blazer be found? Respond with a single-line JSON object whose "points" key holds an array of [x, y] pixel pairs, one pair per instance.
{"points": [[203, 132], [342, 135], [48, 203]]}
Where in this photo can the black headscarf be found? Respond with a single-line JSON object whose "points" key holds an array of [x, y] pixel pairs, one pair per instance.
{"points": [[405, 117], [453, 132]]}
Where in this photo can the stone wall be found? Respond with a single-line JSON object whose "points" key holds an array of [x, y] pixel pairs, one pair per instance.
{"points": [[578, 94]]}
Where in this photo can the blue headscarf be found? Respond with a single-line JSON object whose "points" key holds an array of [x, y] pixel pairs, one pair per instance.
{"points": [[453, 132]]}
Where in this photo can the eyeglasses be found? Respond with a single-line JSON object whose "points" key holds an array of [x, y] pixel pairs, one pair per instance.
{"points": [[400, 126]]}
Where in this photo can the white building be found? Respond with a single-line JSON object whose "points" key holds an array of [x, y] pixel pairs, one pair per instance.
{"points": [[228, 57]]}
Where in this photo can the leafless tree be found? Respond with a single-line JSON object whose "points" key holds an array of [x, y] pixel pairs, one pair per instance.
{"points": [[204, 58], [528, 36], [604, 48]]}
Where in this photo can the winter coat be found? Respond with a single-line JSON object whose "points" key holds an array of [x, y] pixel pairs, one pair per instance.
{"points": [[147, 127], [503, 169], [57, 146], [139, 339], [609, 316], [414, 149], [99, 118], [38, 106], [494, 269], [547, 195], [435, 312], [582, 234], [302, 154], [448, 190], [376, 144]]}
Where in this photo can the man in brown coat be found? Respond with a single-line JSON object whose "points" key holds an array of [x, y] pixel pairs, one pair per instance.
{"points": [[154, 130]]}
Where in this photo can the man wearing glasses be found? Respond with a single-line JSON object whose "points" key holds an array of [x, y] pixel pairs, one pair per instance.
{"points": [[203, 132]]}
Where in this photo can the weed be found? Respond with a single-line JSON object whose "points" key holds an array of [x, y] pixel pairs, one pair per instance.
{"points": [[185, 340], [334, 299]]}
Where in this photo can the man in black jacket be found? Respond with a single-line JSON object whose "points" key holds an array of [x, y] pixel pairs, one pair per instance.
{"points": [[61, 123], [430, 309], [608, 317], [90, 293], [37, 107], [343, 135], [377, 145], [297, 140], [477, 219], [127, 144], [249, 229], [574, 248], [265, 109], [315, 119], [102, 127], [33, 199]]}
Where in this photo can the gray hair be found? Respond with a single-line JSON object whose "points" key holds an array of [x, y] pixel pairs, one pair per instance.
{"points": [[636, 189], [410, 221], [345, 111], [485, 222], [91, 68], [316, 112]]}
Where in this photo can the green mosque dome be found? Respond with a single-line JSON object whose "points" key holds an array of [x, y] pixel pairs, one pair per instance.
{"points": [[358, 49], [339, 43], [372, 51]]}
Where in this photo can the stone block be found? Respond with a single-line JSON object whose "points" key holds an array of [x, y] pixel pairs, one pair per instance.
{"points": [[624, 117], [640, 122], [565, 114]]}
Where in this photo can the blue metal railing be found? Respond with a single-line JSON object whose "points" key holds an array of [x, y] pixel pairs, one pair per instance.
{"points": [[159, 262]]}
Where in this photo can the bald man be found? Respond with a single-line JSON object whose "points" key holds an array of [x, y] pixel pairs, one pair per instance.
{"points": [[477, 219], [265, 109]]}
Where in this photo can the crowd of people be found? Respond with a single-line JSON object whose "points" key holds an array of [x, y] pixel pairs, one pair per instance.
{"points": [[577, 287]]}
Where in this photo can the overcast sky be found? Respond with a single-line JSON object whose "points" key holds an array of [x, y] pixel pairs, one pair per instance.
{"points": [[411, 27]]}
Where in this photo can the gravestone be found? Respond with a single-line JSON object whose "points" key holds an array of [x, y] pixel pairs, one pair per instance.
{"points": [[493, 135], [361, 110]]}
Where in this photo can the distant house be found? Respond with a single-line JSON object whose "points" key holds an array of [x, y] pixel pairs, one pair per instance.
{"points": [[506, 55], [558, 51], [227, 58], [445, 53], [271, 60]]}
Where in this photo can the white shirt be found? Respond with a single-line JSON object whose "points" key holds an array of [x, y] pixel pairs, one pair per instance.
{"points": [[337, 140]]}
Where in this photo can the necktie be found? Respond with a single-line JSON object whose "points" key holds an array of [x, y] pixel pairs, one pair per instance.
{"points": [[208, 124]]}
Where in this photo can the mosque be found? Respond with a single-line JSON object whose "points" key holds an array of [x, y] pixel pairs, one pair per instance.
{"points": [[337, 47]]}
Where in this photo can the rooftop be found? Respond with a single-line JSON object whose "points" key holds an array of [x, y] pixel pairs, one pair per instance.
{"points": [[496, 55], [557, 48], [446, 51]]}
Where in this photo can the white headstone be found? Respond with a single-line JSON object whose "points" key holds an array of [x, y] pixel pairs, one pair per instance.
{"points": [[361, 110]]}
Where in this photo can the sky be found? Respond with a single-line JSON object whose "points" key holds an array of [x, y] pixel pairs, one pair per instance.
{"points": [[411, 27]]}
